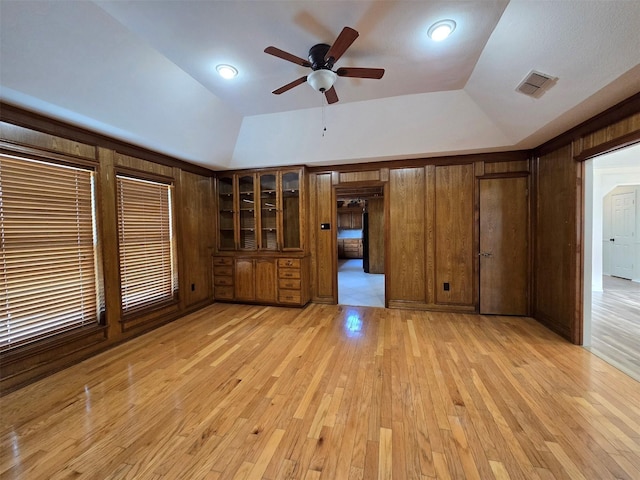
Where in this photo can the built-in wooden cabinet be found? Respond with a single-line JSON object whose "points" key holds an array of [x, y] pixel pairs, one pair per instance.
{"points": [[262, 279], [261, 211], [254, 280], [350, 248], [261, 256], [350, 218], [291, 182], [293, 281], [246, 208], [226, 213], [223, 278]]}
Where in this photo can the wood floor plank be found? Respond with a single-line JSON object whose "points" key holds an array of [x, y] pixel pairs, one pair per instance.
{"points": [[236, 391], [385, 454]]}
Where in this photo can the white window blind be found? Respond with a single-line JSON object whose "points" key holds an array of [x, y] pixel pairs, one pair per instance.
{"points": [[48, 261], [146, 244]]}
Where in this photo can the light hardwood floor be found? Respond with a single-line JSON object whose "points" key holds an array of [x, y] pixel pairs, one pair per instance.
{"points": [[615, 324], [332, 392]]}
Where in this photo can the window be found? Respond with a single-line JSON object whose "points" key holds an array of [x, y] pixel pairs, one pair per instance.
{"points": [[146, 242], [48, 262]]}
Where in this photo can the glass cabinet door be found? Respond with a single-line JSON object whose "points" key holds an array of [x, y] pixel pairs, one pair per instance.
{"points": [[247, 211], [226, 237], [268, 212], [291, 210]]}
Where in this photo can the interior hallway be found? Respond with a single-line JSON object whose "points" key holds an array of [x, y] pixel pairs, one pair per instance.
{"points": [[358, 288], [615, 324]]}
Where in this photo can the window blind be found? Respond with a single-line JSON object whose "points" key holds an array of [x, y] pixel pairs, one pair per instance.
{"points": [[146, 244], [48, 279]]}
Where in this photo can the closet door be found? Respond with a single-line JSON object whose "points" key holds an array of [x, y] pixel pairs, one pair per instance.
{"points": [[504, 246]]}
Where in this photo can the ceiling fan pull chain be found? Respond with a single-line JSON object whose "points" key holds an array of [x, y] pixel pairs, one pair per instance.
{"points": [[324, 122]]}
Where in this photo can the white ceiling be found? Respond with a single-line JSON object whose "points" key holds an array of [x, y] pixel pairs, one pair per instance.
{"points": [[144, 72]]}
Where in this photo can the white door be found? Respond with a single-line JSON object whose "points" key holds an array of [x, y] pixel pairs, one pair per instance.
{"points": [[623, 225]]}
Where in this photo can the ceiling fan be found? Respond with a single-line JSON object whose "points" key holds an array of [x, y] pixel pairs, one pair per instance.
{"points": [[322, 57]]}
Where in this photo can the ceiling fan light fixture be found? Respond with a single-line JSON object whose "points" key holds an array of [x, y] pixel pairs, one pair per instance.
{"points": [[321, 80], [441, 30], [227, 71]]}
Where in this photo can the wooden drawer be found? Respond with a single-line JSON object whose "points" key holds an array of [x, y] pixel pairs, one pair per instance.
{"points": [[289, 296], [289, 262], [223, 271], [222, 261], [220, 280], [288, 273], [289, 284], [223, 292]]}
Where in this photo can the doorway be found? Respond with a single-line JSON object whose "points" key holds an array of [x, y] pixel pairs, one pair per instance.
{"points": [[611, 301], [360, 241]]}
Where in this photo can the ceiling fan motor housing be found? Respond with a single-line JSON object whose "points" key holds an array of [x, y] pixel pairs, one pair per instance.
{"points": [[316, 57]]}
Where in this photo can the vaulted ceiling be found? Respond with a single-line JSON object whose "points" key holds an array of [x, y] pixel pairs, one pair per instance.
{"points": [[144, 72]]}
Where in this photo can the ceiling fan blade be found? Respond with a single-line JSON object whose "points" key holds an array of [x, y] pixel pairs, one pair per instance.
{"points": [[375, 73], [276, 52], [345, 39], [331, 95], [289, 86]]}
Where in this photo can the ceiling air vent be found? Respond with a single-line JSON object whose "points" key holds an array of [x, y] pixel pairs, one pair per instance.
{"points": [[536, 83]]}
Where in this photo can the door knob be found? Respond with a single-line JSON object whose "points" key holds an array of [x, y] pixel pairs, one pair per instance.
{"points": [[485, 254], [612, 239]]}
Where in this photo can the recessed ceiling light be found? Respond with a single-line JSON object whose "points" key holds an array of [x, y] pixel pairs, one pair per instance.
{"points": [[227, 71], [441, 30]]}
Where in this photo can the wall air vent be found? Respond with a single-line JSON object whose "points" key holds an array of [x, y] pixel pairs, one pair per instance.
{"points": [[536, 83]]}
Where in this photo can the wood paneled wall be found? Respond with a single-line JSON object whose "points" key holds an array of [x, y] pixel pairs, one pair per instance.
{"points": [[453, 225], [431, 230], [323, 242], [559, 213], [194, 235], [406, 275]]}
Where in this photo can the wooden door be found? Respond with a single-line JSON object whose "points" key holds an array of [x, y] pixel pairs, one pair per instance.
{"points": [[504, 250], [245, 280], [623, 225], [265, 280]]}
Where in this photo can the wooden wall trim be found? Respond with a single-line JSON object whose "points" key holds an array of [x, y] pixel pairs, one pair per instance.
{"points": [[618, 112], [422, 162], [35, 121], [611, 146]]}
